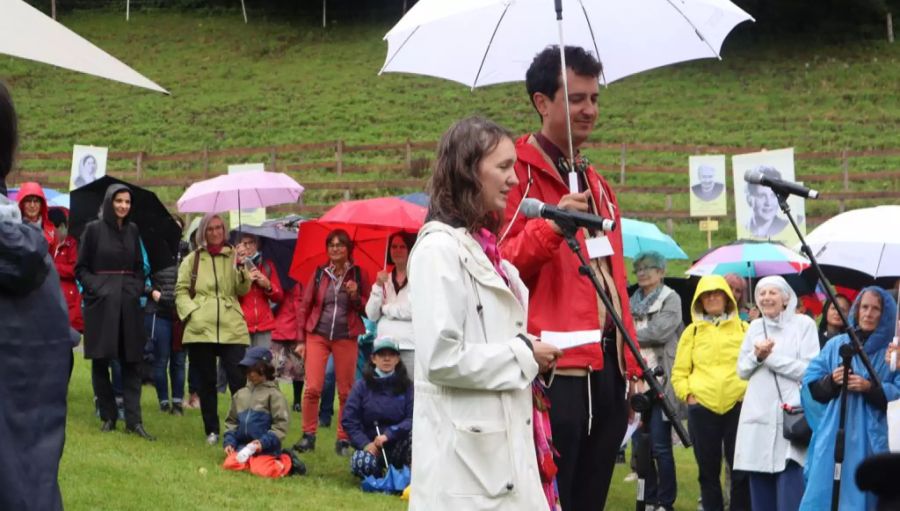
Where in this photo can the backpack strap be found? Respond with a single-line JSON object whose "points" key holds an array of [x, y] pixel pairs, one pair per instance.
{"points": [[195, 267]]}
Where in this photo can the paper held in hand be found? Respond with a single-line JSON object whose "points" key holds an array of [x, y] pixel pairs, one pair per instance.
{"points": [[566, 340]]}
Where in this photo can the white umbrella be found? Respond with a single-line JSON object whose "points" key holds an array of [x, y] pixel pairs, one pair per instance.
{"points": [[28, 33], [866, 240], [485, 42]]}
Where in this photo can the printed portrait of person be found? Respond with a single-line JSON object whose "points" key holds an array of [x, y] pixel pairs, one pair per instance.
{"points": [[707, 189], [87, 170], [765, 221]]}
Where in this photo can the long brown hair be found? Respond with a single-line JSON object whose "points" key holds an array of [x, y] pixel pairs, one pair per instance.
{"points": [[455, 186]]}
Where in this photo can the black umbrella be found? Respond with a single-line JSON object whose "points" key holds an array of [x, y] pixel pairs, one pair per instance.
{"points": [[159, 231]]}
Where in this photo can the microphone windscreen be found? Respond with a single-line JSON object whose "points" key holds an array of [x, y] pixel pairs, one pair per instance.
{"points": [[531, 208], [753, 176]]}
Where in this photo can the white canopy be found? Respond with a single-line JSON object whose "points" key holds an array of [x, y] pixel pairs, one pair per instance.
{"points": [[28, 33]]}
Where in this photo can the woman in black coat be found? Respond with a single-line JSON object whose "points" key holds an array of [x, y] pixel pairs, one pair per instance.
{"points": [[110, 269]]}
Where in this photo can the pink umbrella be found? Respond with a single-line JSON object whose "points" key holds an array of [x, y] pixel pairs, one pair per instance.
{"points": [[245, 190]]}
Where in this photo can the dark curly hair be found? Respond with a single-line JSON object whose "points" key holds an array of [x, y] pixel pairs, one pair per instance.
{"points": [[544, 73], [401, 380], [455, 186], [9, 134]]}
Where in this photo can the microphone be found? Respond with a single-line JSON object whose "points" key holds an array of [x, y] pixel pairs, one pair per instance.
{"points": [[778, 185], [533, 208]]}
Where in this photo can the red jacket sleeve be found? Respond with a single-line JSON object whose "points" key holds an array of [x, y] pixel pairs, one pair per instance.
{"points": [[275, 293], [528, 243], [305, 307], [65, 263]]}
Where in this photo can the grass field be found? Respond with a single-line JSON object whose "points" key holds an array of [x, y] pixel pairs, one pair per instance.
{"points": [[116, 471], [281, 80]]}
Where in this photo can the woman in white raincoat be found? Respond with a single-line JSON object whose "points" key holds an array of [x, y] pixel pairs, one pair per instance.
{"points": [[776, 351], [473, 438]]}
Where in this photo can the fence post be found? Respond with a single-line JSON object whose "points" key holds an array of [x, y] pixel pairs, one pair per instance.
{"points": [[890, 27], [845, 169], [339, 164], [622, 155], [139, 164], [670, 227], [408, 148], [205, 162], [273, 160]]}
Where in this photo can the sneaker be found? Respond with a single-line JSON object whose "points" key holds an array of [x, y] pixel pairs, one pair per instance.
{"points": [[212, 439], [306, 444], [164, 407], [342, 448], [631, 477], [297, 407], [177, 408]]}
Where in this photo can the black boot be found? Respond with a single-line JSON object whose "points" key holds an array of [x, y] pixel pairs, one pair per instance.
{"points": [[108, 426], [306, 444], [298, 468], [141, 432]]}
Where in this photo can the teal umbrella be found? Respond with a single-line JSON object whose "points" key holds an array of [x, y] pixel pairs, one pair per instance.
{"points": [[640, 237]]}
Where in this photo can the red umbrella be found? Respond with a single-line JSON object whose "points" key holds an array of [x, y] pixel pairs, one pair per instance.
{"points": [[384, 212], [369, 223]]}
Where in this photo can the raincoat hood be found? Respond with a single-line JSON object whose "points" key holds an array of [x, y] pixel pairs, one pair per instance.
{"points": [[24, 263], [884, 332], [107, 213], [712, 283], [790, 299], [32, 189]]}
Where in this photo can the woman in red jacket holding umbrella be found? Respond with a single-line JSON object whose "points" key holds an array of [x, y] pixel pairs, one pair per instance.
{"points": [[266, 289]]}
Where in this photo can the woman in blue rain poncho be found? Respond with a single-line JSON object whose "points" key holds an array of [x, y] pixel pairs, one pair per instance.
{"points": [[872, 315]]}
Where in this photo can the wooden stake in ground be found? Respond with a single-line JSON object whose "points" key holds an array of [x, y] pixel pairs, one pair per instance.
{"points": [[709, 225]]}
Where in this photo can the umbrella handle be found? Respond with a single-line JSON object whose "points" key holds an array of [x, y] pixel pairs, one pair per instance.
{"points": [[383, 450]]}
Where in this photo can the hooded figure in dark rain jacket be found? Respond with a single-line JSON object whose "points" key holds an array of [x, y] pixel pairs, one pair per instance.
{"points": [[35, 352], [110, 269]]}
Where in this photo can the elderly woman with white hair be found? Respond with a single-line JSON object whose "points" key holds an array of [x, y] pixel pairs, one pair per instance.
{"points": [[774, 356]]}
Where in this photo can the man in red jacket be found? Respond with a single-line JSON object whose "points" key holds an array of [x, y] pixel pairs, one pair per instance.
{"points": [[589, 410]]}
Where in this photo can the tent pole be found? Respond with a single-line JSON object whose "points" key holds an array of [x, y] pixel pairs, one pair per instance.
{"points": [[324, 2], [127, 10], [244, 10]]}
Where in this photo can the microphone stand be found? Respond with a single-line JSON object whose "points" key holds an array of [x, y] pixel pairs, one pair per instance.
{"points": [[655, 393], [847, 352], [854, 348]]}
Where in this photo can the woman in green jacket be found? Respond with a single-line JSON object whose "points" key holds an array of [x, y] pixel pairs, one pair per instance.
{"points": [[705, 377], [210, 282]]}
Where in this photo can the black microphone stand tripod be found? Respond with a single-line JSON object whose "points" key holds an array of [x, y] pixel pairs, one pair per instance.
{"points": [[644, 402], [847, 351]]}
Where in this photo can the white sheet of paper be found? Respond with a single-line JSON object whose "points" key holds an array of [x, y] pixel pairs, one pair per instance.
{"points": [[566, 340], [599, 247], [632, 427], [573, 182]]}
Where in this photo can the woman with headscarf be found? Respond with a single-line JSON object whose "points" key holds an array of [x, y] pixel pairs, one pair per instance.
{"points": [[656, 310], [389, 300], [111, 271], [872, 315], [831, 323], [211, 281], [774, 355], [705, 377]]}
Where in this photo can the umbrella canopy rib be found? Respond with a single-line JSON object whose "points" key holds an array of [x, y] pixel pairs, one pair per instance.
{"points": [[696, 30], [587, 19], [489, 45]]}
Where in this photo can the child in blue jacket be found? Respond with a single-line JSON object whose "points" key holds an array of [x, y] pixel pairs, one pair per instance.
{"points": [[378, 413]]}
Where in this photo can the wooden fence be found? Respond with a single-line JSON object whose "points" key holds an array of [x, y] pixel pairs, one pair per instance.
{"points": [[650, 179]]}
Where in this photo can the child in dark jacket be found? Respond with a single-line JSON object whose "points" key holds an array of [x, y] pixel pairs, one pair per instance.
{"points": [[378, 413], [258, 421]]}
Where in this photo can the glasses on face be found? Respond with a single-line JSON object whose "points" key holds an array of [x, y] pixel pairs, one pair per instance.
{"points": [[214, 228], [31, 200], [336, 246], [644, 269]]}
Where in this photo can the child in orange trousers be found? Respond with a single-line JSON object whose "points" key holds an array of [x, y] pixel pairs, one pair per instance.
{"points": [[258, 421]]}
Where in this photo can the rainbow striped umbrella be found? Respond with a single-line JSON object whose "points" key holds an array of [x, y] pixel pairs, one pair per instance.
{"points": [[750, 259]]}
